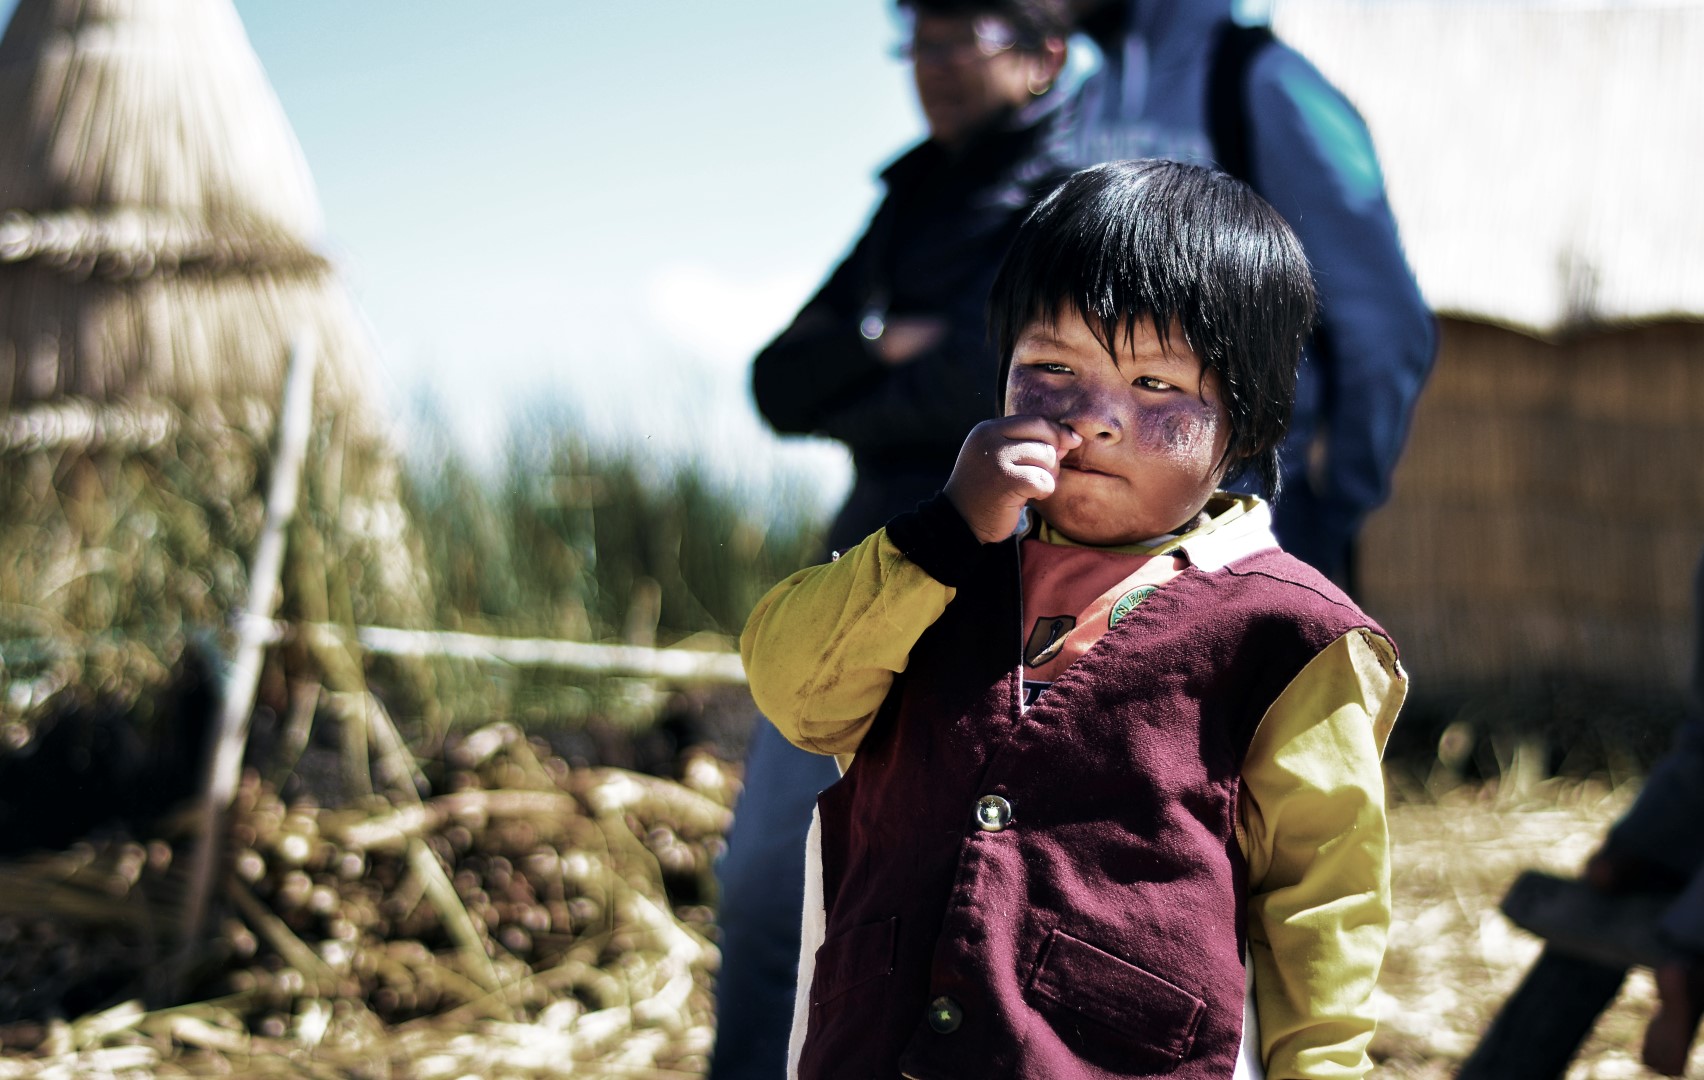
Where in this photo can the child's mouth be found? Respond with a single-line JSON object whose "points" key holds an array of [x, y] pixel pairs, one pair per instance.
{"points": [[1077, 465]]}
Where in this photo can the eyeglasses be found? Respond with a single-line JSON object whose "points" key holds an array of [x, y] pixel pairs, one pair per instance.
{"points": [[990, 36]]}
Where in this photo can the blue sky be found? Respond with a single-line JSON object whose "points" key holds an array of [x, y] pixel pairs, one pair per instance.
{"points": [[609, 204]]}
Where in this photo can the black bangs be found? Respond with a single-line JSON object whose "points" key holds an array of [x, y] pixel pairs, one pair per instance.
{"points": [[1194, 251]]}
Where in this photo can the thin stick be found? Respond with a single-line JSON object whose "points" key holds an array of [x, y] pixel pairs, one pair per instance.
{"points": [[463, 931], [252, 622], [676, 665], [356, 758], [396, 764], [668, 665], [292, 949], [298, 728]]}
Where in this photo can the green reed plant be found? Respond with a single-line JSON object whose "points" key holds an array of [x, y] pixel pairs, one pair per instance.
{"points": [[565, 538]]}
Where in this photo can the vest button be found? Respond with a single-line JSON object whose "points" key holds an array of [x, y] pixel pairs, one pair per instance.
{"points": [[945, 1016], [993, 813]]}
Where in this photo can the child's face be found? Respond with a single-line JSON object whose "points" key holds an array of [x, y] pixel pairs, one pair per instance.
{"points": [[1153, 428]]}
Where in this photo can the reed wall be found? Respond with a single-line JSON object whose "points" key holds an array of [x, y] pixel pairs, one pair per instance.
{"points": [[1549, 511]]}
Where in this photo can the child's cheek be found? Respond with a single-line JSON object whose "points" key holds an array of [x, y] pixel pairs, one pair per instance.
{"points": [[1182, 428], [1026, 397]]}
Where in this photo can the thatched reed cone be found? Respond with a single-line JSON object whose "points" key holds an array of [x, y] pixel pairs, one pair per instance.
{"points": [[158, 231]]}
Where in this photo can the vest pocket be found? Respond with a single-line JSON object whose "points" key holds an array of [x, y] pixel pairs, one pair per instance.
{"points": [[852, 957], [1142, 1011]]}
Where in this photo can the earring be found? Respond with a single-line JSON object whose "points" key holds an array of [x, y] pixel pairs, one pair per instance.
{"points": [[1037, 91]]}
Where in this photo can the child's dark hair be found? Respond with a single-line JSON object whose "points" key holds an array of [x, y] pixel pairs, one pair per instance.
{"points": [[1176, 244]]}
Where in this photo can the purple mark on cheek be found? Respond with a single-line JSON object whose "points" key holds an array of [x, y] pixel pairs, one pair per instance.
{"points": [[1027, 397], [1182, 427]]}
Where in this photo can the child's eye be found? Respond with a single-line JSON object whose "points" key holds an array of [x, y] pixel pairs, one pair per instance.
{"points": [[1148, 382], [1051, 368]]}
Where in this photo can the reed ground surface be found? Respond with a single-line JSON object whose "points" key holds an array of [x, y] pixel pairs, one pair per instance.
{"points": [[1453, 957]]}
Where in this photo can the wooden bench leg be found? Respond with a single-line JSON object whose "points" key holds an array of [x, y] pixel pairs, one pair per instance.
{"points": [[1541, 1026]]}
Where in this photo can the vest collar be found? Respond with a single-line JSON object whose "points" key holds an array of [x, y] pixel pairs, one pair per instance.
{"points": [[1236, 525]]}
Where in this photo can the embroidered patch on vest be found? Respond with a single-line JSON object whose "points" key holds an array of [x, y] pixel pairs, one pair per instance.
{"points": [[1046, 638], [1125, 604]]}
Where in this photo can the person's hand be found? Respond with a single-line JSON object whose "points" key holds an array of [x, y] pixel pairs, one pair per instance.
{"points": [[1613, 873], [1680, 1006], [908, 337], [1002, 466]]}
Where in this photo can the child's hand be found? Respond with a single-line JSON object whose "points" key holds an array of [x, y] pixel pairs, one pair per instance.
{"points": [[1002, 466], [908, 337]]}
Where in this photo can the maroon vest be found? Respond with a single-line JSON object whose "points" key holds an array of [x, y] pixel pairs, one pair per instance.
{"points": [[1057, 893]]}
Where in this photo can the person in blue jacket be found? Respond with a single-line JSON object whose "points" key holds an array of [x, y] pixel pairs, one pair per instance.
{"points": [[1196, 80]]}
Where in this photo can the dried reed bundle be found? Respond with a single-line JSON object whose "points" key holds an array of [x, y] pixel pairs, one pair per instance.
{"points": [[85, 426], [127, 242], [157, 253], [214, 341], [111, 554], [120, 103], [534, 921], [160, 220]]}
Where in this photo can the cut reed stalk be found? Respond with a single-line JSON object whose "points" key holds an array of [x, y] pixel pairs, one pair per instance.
{"points": [[231, 732]]}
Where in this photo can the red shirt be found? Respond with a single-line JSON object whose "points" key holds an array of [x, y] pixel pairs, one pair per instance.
{"points": [[1073, 595]]}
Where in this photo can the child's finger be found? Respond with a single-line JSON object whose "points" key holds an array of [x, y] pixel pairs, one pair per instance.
{"points": [[1033, 481], [1003, 465], [1042, 429], [1032, 468], [1032, 453]]}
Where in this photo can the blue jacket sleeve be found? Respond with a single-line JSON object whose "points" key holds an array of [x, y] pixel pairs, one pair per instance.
{"points": [[819, 360], [1313, 159], [819, 376]]}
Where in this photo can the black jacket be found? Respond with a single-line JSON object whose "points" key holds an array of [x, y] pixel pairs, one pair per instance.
{"points": [[932, 249]]}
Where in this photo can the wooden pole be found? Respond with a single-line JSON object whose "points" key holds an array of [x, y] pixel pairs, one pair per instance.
{"points": [[674, 665], [253, 626]]}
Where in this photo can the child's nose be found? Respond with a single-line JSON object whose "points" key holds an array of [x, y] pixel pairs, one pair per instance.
{"points": [[1094, 422]]}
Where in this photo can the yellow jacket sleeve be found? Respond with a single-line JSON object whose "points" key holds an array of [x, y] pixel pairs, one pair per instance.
{"points": [[822, 648], [1313, 816]]}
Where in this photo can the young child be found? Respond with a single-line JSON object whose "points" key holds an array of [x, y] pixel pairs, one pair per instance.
{"points": [[1104, 743]]}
